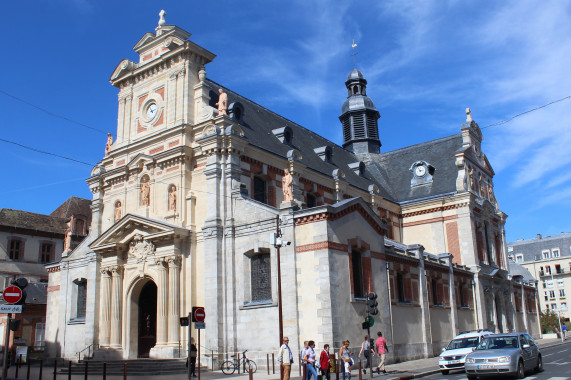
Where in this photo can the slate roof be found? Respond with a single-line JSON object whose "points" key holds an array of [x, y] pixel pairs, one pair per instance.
{"points": [[532, 248], [390, 171], [518, 270], [32, 221], [74, 206]]}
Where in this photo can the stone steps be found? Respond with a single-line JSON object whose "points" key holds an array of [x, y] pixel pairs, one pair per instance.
{"points": [[134, 367]]}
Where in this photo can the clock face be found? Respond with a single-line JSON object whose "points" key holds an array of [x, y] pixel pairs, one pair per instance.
{"points": [[152, 110], [420, 171]]}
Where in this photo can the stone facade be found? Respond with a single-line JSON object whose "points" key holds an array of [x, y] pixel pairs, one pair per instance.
{"points": [[359, 221]]}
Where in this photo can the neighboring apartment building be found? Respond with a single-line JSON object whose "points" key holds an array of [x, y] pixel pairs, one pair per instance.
{"points": [[549, 260], [29, 241]]}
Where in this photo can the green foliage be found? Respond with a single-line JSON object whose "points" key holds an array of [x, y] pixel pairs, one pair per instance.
{"points": [[548, 320]]}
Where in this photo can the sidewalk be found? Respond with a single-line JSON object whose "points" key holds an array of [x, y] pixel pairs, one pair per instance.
{"points": [[398, 371]]}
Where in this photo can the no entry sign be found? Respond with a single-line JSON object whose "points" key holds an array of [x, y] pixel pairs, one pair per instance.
{"points": [[12, 294], [199, 314]]}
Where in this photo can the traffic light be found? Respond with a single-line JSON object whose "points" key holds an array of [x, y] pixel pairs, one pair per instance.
{"points": [[365, 325], [14, 324], [372, 304], [184, 321]]}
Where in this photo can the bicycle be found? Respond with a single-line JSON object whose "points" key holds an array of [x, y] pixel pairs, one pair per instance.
{"points": [[230, 366]]}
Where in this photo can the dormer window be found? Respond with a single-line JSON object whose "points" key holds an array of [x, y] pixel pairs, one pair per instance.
{"points": [[325, 153], [236, 111], [358, 168], [285, 135]]}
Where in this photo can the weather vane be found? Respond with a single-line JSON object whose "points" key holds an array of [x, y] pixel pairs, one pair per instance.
{"points": [[354, 45]]}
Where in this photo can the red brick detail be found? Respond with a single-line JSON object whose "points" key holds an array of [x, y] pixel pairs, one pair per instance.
{"points": [[429, 210], [147, 57], [54, 269], [199, 165], [432, 220], [141, 100], [415, 294], [321, 245], [54, 288], [453, 242], [328, 201], [334, 216], [272, 196], [174, 143], [140, 128], [378, 255], [161, 92], [160, 121], [407, 288], [173, 168], [121, 162], [436, 269], [367, 274], [156, 150], [347, 196]]}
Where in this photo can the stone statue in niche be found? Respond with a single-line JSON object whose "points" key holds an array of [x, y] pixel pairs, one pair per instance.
{"points": [[117, 211], [109, 143], [145, 193], [67, 240], [222, 102], [287, 182], [172, 198]]}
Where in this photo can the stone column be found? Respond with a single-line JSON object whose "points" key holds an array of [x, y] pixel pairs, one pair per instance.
{"points": [[452, 296], [105, 300], [116, 306], [162, 302], [174, 300]]}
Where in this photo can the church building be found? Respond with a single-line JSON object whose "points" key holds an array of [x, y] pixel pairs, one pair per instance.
{"points": [[190, 197]]}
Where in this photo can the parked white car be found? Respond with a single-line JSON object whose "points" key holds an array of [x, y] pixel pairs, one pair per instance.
{"points": [[453, 356]]}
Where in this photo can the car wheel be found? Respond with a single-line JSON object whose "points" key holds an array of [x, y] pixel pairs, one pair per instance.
{"points": [[539, 366], [445, 372], [472, 377], [520, 374]]}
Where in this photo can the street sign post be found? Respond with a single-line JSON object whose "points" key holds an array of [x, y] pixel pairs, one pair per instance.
{"points": [[12, 294], [198, 314], [5, 309]]}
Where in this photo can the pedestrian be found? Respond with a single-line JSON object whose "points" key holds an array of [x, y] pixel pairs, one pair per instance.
{"points": [[193, 354], [344, 355], [564, 331], [285, 357], [310, 361], [305, 347], [347, 368], [556, 331], [324, 362], [367, 350], [382, 349]]}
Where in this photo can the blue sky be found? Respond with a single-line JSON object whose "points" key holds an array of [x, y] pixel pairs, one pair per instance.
{"points": [[425, 62]]}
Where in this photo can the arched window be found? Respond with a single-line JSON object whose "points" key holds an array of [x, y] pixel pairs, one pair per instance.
{"points": [[260, 190]]}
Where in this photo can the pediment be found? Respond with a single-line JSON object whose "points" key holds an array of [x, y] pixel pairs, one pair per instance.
{"points": [[139, 161], [145, 39], [124, 67], [130, 228]]}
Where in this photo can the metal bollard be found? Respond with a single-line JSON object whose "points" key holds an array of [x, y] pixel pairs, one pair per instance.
{"points": [[238, 356], [69, 370], [268, 361], [18, 365], [273, 365], [41, 369], [300, 365], [55, 369], [337, 367], [304, 371], [251, 374], [28, 372], [86, 369], [104, 371], [124, 371], [360, 373]]}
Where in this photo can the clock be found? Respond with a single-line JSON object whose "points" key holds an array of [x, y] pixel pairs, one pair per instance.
{"points": [[420, 171], [152, 111]]}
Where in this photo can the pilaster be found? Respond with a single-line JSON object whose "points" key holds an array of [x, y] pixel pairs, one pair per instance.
{"points": [[424, 305], [116, 307], [106, 307]]}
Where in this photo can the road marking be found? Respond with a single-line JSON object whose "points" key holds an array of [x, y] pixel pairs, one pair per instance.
{"points": [[558, 378], [547, 355]]}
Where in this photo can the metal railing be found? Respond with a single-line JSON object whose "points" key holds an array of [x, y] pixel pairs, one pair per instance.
{"points": [[91, 348]]}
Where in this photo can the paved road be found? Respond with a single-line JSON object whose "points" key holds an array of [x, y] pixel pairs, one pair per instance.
{"points": [[556, 364]]}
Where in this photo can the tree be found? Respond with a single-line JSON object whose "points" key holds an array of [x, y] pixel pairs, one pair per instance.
{"points": [[548, 320]]}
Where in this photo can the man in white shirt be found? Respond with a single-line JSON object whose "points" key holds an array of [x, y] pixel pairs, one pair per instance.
{"points": [[285, 357]]}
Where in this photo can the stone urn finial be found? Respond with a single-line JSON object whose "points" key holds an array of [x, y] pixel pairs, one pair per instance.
{"points": [[202, 73]]}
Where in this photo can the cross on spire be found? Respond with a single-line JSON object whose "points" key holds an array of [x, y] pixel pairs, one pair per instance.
{"points": [[354, 45]]}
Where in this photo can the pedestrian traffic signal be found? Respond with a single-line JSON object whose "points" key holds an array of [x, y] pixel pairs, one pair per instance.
{"points": [[372, 304], [184, 321], [14, 324]]}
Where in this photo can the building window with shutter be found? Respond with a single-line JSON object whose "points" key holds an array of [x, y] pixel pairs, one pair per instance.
{"points": [[39, 336], [79, 300], [357, 274], [260, 190], [46, 252], [260, 277]]}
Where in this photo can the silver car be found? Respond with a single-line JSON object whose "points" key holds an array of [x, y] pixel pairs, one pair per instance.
{"points": [[511, 354]]}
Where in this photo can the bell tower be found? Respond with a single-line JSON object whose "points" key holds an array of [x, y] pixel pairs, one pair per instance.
{"points": [[359, 117]]}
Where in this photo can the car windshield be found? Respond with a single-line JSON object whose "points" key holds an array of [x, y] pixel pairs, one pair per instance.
{"points": [[498, 342], [462, 343]]}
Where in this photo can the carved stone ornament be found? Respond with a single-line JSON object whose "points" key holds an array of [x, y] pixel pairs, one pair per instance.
{"points": [[141, 249]]}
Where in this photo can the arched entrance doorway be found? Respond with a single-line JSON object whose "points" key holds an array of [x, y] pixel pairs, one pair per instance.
{"points": [[147, 336]]}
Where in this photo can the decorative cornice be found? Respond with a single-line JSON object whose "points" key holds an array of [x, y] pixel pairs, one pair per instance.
{"points": [[318, 217], [54, 269], [435, 209]]}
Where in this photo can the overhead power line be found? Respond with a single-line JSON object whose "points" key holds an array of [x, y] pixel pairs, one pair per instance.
{"points": [[48, 153], [526, 112], [52, 113]]}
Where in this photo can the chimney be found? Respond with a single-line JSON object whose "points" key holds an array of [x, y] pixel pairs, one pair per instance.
{"points": [[539, 236]]}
